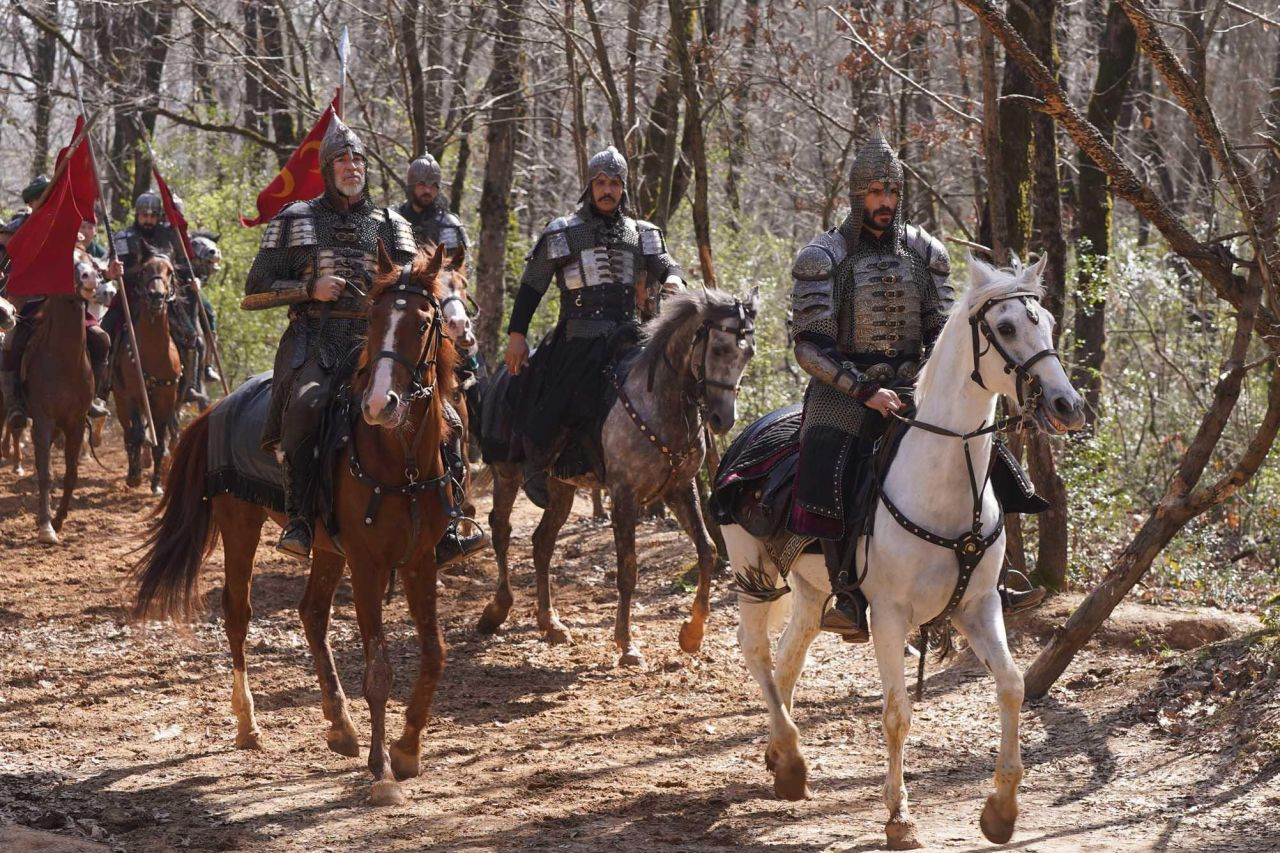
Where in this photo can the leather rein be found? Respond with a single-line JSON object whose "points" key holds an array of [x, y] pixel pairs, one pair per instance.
{"points": [[447, 488], [744, 330], [971, 547]]}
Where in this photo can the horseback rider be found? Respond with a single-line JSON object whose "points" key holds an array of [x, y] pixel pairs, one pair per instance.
{"points": [[318, 257], [189, 317], [427, 211], [89, 274], [604, 263], [869, 299], [134, 244]]}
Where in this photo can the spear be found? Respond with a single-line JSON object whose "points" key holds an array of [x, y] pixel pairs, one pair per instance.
{"points": [[111, 253], [344, 50], [206, 328]]}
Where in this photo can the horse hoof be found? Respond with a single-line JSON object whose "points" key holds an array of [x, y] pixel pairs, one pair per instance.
{"points": [[404, 764], [691, 636], [790, 776], [386, 793], [47, 536], [58, 521], [132, 482], [491, 619], [558, 636], [901, 834], [249, 740], [997, 827], [343, 741], [631, 657]]}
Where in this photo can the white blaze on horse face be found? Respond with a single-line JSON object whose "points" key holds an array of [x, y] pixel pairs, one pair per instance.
{"points": [[458, 324], [377, 397]]}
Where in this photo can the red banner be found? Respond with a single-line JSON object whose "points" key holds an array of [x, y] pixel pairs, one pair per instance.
{"points": [[42, 251], [300, 178], [176, 220]]}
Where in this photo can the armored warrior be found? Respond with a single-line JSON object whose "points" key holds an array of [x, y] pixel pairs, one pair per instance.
{"points": [[606, 265], [89, 274], [869, 299], [318, 257], [427, 211], [31, 195], [133, 245]]}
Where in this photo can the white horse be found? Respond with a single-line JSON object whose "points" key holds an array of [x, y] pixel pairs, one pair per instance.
{"points": [[997, 341]]}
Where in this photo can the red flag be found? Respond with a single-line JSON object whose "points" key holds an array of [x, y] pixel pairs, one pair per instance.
{"points": [[42, 250], [300, 178], [176, 220]]}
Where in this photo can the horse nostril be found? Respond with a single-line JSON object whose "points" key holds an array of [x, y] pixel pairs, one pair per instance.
{"points": [[393, 399], [1064, 405], [716, 423]]}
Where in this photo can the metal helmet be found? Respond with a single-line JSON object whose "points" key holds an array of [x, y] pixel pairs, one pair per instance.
{"points": [[875, 160], [339, 139], [148, 202], [424, 170], [34, 189], [608, 162]]}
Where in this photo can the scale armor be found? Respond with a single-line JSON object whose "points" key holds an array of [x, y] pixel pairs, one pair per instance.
{"points": [[598, 263], [436, 225]]}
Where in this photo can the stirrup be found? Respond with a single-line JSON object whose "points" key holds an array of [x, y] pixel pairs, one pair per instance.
{"points": [[453, 548], [837, 621], [296, 540], [1015, 600]]}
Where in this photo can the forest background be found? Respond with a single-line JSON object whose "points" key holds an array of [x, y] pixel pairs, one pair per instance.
{"points": [[1136, 144]]}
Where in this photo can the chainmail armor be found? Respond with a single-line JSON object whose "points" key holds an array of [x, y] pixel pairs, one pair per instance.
{"points": [[436, 225]]}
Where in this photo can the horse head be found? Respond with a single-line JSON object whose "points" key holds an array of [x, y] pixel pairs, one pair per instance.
{"points": [[8, 315], [406, 357], [457, 321], [156, 280], [1011, 337], [207, 256], [87, 277], [715, 331]]}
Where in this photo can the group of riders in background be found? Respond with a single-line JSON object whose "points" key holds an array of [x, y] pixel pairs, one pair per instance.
{"points": [[869, 298]]}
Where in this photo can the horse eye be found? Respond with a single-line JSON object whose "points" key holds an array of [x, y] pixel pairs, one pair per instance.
{"points": [[1006, 330]]}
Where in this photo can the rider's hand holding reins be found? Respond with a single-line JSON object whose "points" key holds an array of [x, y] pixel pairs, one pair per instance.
{"points": [[885, 401], [328, 288], [517, 353]]}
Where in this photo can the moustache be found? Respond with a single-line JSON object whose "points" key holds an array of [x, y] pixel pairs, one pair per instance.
{"points": [[883, 211], [606, 198]]}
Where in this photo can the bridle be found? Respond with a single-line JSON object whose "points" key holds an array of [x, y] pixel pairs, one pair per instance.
{"points": [[978, 323], [420, 388]]}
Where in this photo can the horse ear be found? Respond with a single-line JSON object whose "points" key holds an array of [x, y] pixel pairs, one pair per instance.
{"points": [[436, 262], [385, 264], [457, 258], [755, 297], [1037, 269]]}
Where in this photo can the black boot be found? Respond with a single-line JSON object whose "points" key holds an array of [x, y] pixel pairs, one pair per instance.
{"points": [[848, 614], [1016, 600], [296, 538], [192, 392], [17, 413], [454, 546]]}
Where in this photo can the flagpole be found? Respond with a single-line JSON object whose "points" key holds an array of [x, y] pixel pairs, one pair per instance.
{"points": [[206, 328], [111, 254]]}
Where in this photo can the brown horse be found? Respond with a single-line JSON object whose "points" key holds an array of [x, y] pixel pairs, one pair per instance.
{"points": [[59, 381], [9, 445], [392, 505], [161, 371]]}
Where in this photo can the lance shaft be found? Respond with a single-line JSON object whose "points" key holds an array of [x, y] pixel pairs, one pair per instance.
{"points": [[124, 287]]}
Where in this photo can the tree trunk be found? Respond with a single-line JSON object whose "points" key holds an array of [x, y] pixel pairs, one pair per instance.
{"points": [[505, 86], [417, 83], [738, 133], [46, 58], [683, 27], [1117, 51]]}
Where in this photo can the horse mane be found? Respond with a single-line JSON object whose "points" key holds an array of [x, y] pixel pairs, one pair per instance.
{"points": [[446, 354], [985, 282], [678, 310]]}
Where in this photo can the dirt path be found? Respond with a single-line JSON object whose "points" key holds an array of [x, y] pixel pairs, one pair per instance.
{"points": [[123, 733]]}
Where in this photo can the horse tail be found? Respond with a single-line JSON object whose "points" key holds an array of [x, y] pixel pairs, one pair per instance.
{"points": [[180, 534]]}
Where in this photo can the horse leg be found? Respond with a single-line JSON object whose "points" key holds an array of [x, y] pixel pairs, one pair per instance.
{"points": [[42, 436], [157, 462], [133, 437], [420, 591], [368, 583], [802, 629], [559, 504], [71, 474], [684, 503], [241, 526], [317, 603], [506, 487], [982, 624], [889, 633], [625, 509]]}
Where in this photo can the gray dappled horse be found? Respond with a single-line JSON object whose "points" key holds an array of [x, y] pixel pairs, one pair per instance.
{"points": [[687, 374]]}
